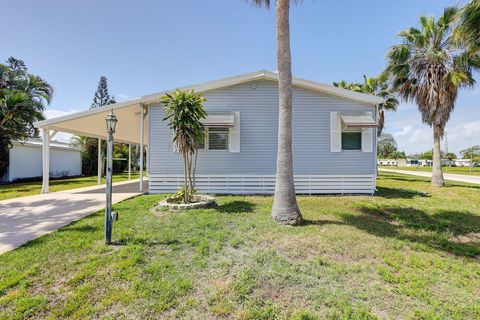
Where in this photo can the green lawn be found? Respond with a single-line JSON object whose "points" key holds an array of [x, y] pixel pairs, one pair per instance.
{"points": [[15, 190], [411, 252], [457, 170]]}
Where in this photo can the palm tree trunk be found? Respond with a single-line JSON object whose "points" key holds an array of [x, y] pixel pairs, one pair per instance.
{"points": [[185, 172], [381, 122], [437, 174], [285, 209]]}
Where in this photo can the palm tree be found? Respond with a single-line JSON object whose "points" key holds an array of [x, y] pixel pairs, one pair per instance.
{"points": [[377, 86], [428, 68], [22, 101], [468, 28], [285, 208], [184, 112]]}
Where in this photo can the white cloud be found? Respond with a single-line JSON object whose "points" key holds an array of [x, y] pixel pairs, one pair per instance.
{"points": [[121, 97], [414, 139], [419, 138], [55, 113]]}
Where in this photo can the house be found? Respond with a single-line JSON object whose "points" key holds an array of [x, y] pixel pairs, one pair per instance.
{"points": [[25, 160], [462, 162], [387, 162], [333, 130], [425, 163], [408, 162]]}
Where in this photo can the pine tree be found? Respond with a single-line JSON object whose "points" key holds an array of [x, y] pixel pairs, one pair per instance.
{"points": [[102, 97]]}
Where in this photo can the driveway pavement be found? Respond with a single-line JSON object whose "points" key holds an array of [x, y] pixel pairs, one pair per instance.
{"points": [[446, 176], [26, 218]]}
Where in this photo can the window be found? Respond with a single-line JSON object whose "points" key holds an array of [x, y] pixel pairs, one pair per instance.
{"points": [[351, 140], [217, 138]]}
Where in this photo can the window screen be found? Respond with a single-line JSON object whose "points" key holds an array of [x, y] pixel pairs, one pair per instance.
{"points": [[218, 138], [351, 141]]}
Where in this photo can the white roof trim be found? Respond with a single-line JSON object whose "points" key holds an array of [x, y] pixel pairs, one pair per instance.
{"points": [[38, 143], [217, 84]]}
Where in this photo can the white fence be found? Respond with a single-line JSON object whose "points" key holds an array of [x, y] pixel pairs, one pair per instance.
{"points": [[265, 184]]}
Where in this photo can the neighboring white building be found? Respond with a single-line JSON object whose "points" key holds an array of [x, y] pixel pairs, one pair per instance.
{"points": [[25, 160], [462, 162]]}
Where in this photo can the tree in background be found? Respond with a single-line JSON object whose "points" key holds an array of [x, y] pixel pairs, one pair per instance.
{"points": [[22, 101], [450, 156], [184, 112], [428, 68], [472, 153], [377, 86], [102, 97], [386, 145], [90, 145], [397, 155], [285, 208]]}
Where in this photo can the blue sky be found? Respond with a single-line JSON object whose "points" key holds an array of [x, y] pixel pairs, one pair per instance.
{"points": [[147, 46]]}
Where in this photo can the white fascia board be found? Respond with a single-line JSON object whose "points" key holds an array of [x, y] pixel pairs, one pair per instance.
{"points": [[86, 113], [52, 145], [268, 75], [339, 92]]}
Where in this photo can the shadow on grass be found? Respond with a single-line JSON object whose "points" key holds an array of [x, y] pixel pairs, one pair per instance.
{"points": [[150, 242], [399, 193], [404, 223], [236, 206], [86, 228], [440, 230]]}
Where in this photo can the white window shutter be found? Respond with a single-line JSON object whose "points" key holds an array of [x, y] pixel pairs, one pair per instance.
{"points": [[335, 132], [235, 134], [367, 138]]}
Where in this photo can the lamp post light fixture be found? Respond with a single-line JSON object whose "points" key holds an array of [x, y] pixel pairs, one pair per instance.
{"points": [[111, 121]]}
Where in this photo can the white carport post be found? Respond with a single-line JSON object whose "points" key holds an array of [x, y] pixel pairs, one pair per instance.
{"points": [[99, 161], [142, 114], [129, 161], [46, 160]]}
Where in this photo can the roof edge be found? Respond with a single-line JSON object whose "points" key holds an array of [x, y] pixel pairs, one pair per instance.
{"points": [[217, 84]]}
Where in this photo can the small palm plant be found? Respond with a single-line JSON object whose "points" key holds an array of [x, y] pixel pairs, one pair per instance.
{"points": [[429, 69], [184, 111]]}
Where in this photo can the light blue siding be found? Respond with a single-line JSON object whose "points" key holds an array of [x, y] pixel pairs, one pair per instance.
{"points": [[257, 103]]}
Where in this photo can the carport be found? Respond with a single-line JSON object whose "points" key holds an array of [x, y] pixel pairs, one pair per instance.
{"points": [[132, 128]]}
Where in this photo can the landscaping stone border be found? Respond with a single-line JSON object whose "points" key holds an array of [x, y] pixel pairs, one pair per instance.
{"points": [[202, 201]]}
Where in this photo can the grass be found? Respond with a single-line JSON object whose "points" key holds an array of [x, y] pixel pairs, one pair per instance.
{"points": [[411, 252], [22, 189], [455, 170]]}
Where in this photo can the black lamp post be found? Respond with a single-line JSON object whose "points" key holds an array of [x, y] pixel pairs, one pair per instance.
{"points": [[111, 123]]}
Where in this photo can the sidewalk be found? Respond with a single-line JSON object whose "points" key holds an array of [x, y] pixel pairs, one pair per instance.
{"points": [[446, 176]]}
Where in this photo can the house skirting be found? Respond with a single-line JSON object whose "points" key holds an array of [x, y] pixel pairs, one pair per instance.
{"points": [[265, 184]]}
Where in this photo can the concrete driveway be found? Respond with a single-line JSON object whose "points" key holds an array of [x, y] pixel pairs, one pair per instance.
{"points": [[446, 176], [26, 218]]}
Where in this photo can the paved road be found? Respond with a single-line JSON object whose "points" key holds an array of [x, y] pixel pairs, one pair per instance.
{"points": [[26, 218], [446, 176]]}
